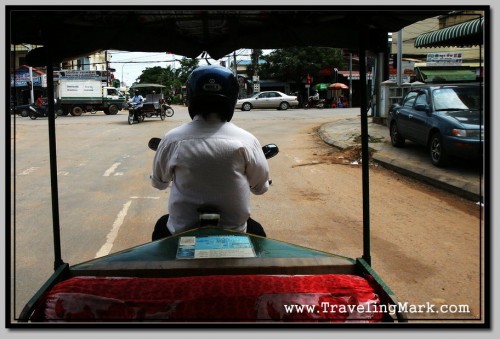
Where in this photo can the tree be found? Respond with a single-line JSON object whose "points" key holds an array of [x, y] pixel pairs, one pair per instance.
{"points": [[152, 75], [294, 64], [187, 66], [254, 68], [170, 77]]}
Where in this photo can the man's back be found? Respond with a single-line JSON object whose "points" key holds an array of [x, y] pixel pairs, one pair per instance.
{"points": [[211, 163]]}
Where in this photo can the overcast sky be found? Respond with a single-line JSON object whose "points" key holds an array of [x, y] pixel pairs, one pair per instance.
{"points": [[129, 65]]}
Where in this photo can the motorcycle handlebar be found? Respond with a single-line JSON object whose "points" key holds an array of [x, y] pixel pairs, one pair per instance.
{"points": [[270, 150]]}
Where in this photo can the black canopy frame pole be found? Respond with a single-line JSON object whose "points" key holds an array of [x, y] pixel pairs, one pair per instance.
{"points": [[53, 160], [365, 156], [481, 109]]}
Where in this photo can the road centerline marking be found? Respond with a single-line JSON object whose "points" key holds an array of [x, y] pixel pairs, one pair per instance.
{"points": [[110, 238], [110, 170]]}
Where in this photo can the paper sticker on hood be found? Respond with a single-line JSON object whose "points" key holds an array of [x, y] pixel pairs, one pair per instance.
{"points": [[466, 117]]}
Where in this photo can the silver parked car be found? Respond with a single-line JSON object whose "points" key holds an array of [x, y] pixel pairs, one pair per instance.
{"points": [[267, 99]]}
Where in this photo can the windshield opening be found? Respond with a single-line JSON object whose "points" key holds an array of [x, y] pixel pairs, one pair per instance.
{"points": [[456, 98]]}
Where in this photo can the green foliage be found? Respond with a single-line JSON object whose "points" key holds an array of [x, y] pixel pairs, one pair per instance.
{"points": [[293, 64], [187, 66], [254, 67], [172, 78], [152, 75]]}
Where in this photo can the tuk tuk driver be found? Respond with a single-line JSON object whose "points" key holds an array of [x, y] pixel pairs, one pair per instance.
{"points": [[209, 161], [137, 100]]}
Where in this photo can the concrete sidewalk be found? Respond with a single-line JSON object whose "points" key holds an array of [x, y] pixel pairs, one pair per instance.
{"points": [[463, 179]]}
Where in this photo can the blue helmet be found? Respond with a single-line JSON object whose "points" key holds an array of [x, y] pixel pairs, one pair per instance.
{"points": [[212, 89]]}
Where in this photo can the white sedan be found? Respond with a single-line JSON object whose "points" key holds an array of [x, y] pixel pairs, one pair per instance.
{"points": [[267, 99]]}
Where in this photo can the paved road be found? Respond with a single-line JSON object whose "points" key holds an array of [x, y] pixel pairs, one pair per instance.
{"points": [[107, 204]]}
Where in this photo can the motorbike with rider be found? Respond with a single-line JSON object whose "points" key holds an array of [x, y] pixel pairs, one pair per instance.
{"points": [[209, 162], [39, 109], [135, 107], [315, 101]]}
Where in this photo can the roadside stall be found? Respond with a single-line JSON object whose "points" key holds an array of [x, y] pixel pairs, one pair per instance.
{"points": [[27, 84], [339, 99], [449, 66]]}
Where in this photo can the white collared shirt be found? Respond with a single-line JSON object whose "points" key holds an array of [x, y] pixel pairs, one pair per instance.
{"points": [[209, 163]]}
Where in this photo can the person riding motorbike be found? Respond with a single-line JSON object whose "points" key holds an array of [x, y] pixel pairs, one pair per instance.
{"points": [[209, 161], [137, 100], [314, 98], [41, 104]]}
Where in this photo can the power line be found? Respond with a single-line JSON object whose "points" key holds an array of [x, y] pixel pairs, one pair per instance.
{"points": [[139, 62]]}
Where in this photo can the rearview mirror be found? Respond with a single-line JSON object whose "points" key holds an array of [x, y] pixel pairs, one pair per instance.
{"points": [[153, 143], [270, 150], [422, 107]]}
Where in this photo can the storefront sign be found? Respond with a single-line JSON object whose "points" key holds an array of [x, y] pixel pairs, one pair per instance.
{"points": [[21, 79], [79, 75], [355, 75], [444, 59]]}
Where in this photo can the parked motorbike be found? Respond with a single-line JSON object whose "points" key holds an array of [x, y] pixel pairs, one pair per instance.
{"points": [[39, 112]]}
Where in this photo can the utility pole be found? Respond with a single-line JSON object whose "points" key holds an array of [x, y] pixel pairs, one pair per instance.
{"points": [[122, 79], [235, 65], [106, 62], [399, 56], [350, 79], [31, 87], [255, 78]]}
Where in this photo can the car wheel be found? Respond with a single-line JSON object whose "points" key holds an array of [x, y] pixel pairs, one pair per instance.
{"points": [[284, 106], [437, 153], [396, 139], [246, 106], [76, 111], [169, 112], [113, 109]]}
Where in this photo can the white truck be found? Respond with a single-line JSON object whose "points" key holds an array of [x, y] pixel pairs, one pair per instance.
{"points": [[76, 96]]}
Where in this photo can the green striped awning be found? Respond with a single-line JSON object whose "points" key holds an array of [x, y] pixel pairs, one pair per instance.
{"points": [[468, 33], [451, 75]]}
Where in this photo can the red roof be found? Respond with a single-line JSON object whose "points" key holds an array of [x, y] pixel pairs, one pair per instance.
{"points": [[36, 70]]}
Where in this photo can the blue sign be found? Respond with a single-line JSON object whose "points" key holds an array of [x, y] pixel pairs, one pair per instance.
{"points": [[22, 77]]}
